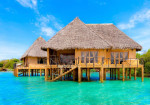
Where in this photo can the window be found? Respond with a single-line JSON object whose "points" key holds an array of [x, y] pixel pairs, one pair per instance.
{"points": [[82, 57], [41, 61], [89, 57], [118, 57]]}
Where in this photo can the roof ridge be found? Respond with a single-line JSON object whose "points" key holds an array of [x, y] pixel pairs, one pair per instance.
{"points": [[99, 36]]}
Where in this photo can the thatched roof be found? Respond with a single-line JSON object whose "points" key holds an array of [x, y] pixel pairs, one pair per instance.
{"points": [[35, 49], [90, 36], [113, 35]]}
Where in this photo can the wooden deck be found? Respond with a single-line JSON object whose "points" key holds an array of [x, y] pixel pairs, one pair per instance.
{"points": [[58, 72]]}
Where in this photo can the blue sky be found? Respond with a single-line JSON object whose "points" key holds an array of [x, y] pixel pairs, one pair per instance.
{"points": [[23, 21]]}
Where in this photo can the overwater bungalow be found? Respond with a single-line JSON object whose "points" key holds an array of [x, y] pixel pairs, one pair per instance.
{"points": [[34, 58], [79, 46]]}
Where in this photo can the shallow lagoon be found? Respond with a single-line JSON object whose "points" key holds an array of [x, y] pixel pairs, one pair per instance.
{"points": [[34, 90]]}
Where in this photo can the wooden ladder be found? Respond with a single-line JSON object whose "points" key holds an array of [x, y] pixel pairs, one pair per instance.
{"points": [[59, 76]]}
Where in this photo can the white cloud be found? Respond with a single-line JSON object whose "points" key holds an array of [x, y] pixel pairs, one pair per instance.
{"points": [[28, 3], [48, 31], [48, 25], [138, 17]]}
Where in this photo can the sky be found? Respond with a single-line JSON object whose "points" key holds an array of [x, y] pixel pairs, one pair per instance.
{"points": [[23, 21]]}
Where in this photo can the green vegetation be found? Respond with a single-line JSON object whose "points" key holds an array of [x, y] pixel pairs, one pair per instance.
{"points": [[145, 60], [8, 64]]}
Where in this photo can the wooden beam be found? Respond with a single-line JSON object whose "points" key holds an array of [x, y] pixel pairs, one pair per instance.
{"points": [[134, 73], [46, 73], [102, 71], [115, 73], [110, 73], [88, 74], [123, 70], [129, 73], [142, 72], [48, 63], [29, 72], [79, 74], [126, 72], [118, 74], [40, 72]]}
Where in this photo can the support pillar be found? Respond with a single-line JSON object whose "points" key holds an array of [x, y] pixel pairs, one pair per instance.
{"points": [[110, 73], [129, 73], [142, 72], [40, 72], [134, 73], [88, 74], [102, 71], [74, 75], [126, 72], [79, 74], [17, 73], [29, 72], [118, 74], [115, 73], [123, 70], [46, 73]]}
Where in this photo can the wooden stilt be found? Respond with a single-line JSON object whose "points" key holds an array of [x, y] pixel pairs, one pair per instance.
{"points": [[74, 75], [118, 74], [46, 73], [40, 72], [61, 73], [134, 73], [142, 72], [32, 72], [126, 72], [105, 74], [88, 74], [29, 72], [102, 71], [115, 73], [129, 73], [50, 73], [123, 70], [23, 72], [79, 74], [17, 72], [110, 73]]}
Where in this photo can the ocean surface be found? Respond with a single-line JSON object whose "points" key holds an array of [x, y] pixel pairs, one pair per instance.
{"points": [[34, 90]]}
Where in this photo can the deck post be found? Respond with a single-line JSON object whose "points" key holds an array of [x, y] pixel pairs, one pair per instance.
{"points": [[48, 56], [126, 72], [102, 71], [37, 72], [79, 74], [118, 74], [46, 73], [123, 69], [61, 73], [142, 70], [23, 72], [110, 73], [134, 73], [74, 75], [40, 73], [105, 74], [17, 73], [32, 72], [88, 74], [29, 72], [129, 73], [115, 73]]}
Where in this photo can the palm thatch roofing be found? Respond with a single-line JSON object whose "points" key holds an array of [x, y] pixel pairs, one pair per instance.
{"points": [[90, 36], [35, 49]]}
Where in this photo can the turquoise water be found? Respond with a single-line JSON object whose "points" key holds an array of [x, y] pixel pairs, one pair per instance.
{"points": [[34, 90]]}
